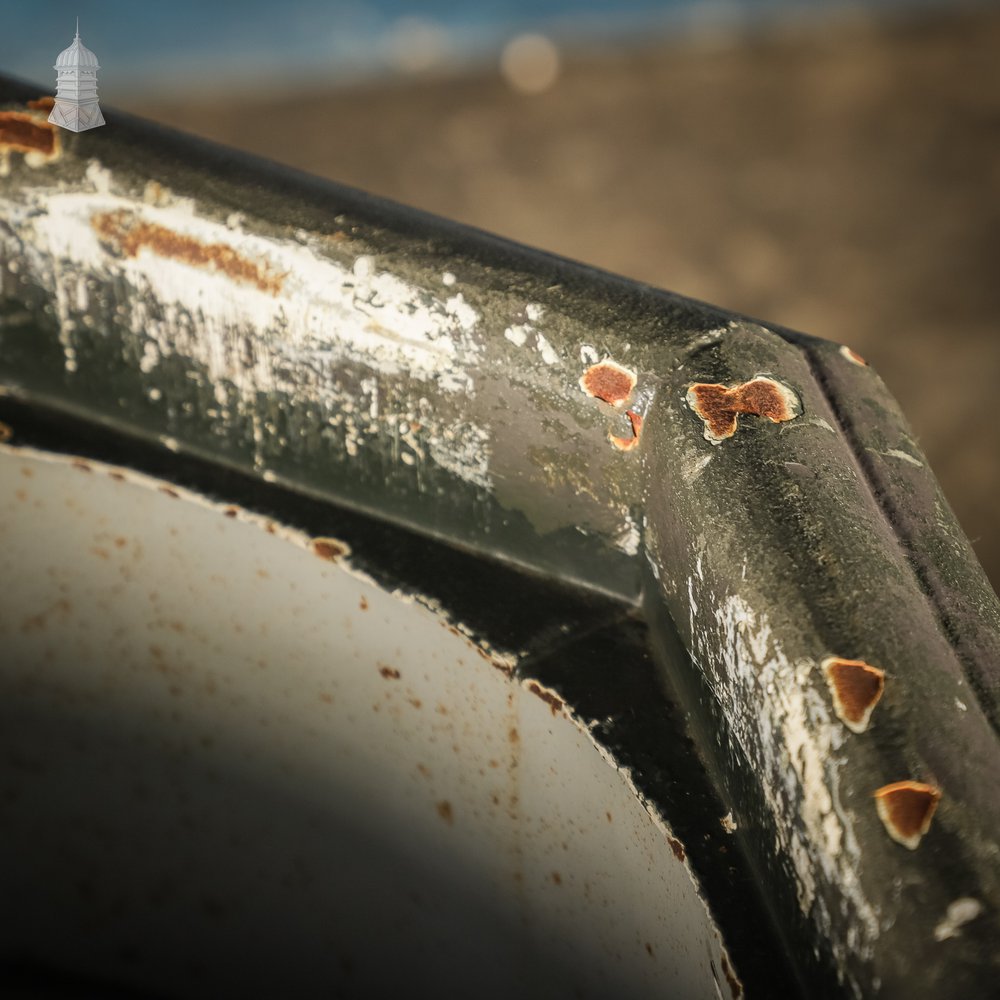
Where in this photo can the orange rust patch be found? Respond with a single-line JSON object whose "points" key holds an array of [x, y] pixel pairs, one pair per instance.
{"points": [[126, 231], [555, 703], [735, 986], [389, 673], [677, 847], [6, 432], [609, 382], [445, 812], [856, 688], [627, 444], [906, 809], [853, 356], [231, 511], [720, 406], [363, 604], [329, 548], [24, 133]]}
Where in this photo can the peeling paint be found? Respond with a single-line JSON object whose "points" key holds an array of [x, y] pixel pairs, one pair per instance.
{"points": [[129, 235], [550, 697], [628, 443], [853, 356], [609, 382], [855, 687], [906, 809], [720, 406]]}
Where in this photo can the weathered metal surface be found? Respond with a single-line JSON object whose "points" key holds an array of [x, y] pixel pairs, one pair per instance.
{"points": [[840, 658]]}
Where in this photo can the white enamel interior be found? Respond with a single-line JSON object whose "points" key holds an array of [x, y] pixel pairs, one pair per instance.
{"points": [[214, 784]]}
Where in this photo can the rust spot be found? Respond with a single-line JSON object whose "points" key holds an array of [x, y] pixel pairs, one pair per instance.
{"points": [[117, 476], [231, 511], [556, 878], [325, 697], [172, 493], [445, 812], [424, 770], [415, 702], [79, 463], [129, 234], [906, 809], [856, 688], [514, 736], [608, 381], [853, 356], [363, 604], [6, 432], [329, 548], [555, 703], [677, 847], [389, 673], [719, 407], [27, 471], [120, 542], [24, 133], [735, 986], [100, 553], [624, 443], [649, 949]]}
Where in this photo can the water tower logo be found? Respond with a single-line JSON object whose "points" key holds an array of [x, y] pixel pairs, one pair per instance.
{"points": [[76, 106]]}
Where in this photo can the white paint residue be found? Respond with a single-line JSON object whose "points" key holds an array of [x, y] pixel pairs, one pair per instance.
{"points": [[516, 335], [897, 453], [549, 356], [820, 422], [99, 176], [628, 538], [790, 741], [588, 354], [464, 453], [959, 913], [534, 311], [313, 315], [692, 470], [448, 278]]}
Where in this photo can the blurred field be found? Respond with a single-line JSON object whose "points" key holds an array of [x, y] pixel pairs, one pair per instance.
{"points": [[843, 182]]}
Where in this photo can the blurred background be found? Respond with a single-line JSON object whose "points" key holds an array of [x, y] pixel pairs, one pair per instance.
{"points": [[832, 167]]}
